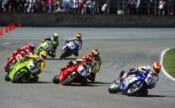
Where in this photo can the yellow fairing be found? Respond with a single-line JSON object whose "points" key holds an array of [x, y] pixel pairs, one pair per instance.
{"points": [[32, 56], [42, 65]]}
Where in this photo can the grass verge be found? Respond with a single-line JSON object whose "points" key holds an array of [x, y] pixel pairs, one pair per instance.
{"points": [[169, 62]]}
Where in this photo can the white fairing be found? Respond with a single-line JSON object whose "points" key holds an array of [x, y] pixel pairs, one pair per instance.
{"points": [[151, 81], [130, 79], [82, 71], [71, 45], [47, 46], [32, 67]]}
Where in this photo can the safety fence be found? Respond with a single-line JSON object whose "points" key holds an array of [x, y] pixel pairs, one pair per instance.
{"points": [[118, 7]]}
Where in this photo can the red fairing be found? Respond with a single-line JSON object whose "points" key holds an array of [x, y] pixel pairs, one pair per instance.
{"points": [[10, 60], [67, 70]]}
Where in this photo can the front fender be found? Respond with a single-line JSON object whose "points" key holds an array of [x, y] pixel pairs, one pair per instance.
{"points": [[15, 71]]}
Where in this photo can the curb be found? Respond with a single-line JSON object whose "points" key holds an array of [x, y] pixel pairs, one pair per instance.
{"points": [[163, 69]]}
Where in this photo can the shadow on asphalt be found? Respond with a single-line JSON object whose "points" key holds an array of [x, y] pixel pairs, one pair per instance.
{"points": [[39, 82], [90, 84], [155, 96], [61, 59], [148, 96]]}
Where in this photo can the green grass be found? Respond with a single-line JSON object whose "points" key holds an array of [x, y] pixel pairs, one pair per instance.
{"points": [[169, 62]]}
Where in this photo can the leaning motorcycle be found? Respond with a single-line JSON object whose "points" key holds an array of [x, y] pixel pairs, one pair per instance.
{"points": [[68, 49], [45, 46], [72, 73], [132, 85], [26, 71]]}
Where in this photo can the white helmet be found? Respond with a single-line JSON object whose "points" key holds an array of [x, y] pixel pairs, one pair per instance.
{"points": [[55, 34]]}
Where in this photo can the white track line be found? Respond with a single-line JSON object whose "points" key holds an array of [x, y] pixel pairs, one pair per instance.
{"points": [[163, 69]]}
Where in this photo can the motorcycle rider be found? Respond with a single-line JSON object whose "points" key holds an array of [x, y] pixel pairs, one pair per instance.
{"points": [[18, 55], [29, 48], [38, 67], [77, 40], [150, 72], [96, 59], [55, 41]]}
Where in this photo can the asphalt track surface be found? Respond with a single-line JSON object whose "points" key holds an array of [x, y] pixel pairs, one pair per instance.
{"points": [[121, 48]]}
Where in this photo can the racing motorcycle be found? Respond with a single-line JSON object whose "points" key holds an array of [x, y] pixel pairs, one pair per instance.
{"points": [[73, 73], [45, 46], [132, 85], [26, 71], [68, 49]]}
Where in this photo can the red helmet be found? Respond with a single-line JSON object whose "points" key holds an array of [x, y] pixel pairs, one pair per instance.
{"points": [[13, 54], [18, 50], [31, 46]]}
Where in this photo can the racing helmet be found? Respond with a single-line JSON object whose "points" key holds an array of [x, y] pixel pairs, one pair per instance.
{"points": [[156, 67], [18, 50], [95, 52], [13, 54], [43, 54], [77, 36], [31, 46], [55, 36]]}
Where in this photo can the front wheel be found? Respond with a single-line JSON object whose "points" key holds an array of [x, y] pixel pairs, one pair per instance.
{"points": [[56, 79], [113, 87], [7, 77], [20, 77]]}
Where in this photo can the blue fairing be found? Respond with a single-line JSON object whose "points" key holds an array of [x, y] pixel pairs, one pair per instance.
{"points": [[78, 45], [136, 75]]}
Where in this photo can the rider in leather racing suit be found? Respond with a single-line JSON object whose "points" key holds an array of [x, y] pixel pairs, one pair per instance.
{"points": [[96, 59], [77, 39], [151, 76], [55, 42], [19, 54], [27, 49]]}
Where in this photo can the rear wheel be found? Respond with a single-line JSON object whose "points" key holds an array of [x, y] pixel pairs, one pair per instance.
{"points": [[56, 79]]}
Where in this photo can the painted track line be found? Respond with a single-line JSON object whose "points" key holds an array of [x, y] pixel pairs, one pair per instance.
{"points": [[163, 69]]}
